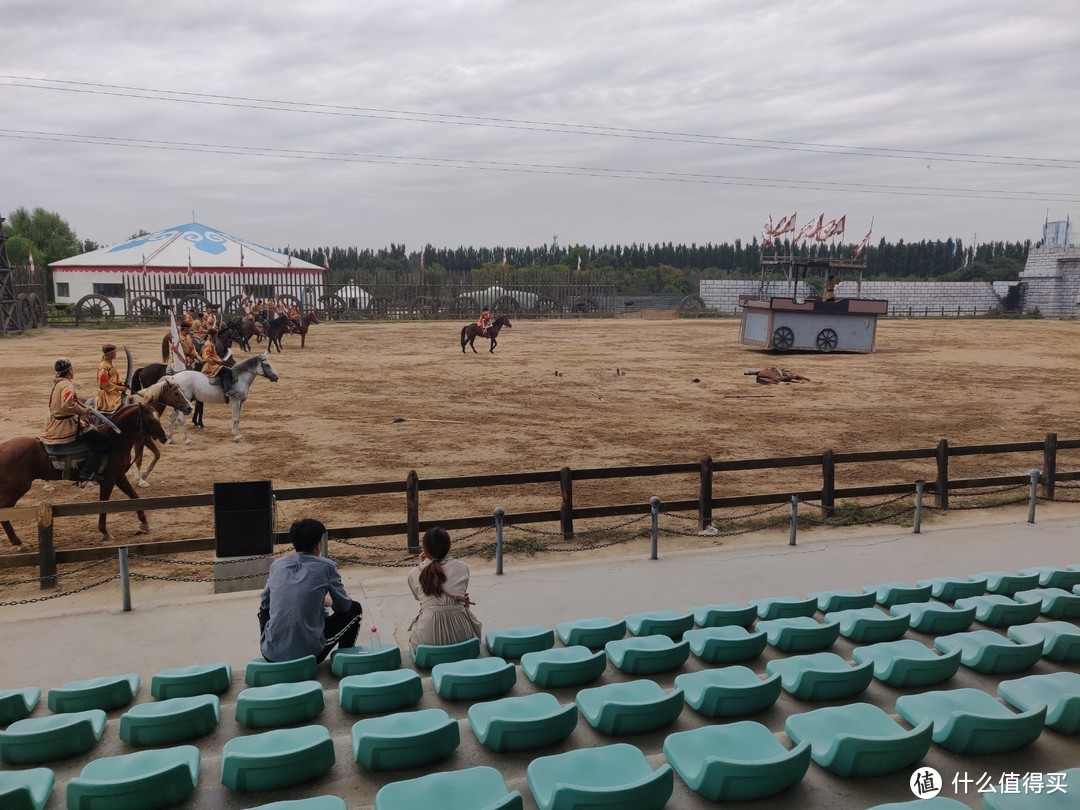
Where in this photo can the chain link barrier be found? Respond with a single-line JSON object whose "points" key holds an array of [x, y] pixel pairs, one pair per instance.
{"points": [[80, 589], [39, 580]]}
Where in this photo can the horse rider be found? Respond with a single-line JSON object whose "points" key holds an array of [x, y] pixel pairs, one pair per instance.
{"points": [[210, 320], [214, 366], [111, 388], [67, 423], [294, 316], [830, 288], [189, 317], [198, 332], [484, 321], [192, 355]]}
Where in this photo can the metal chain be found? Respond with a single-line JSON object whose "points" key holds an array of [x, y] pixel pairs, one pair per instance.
{"points": [[1021, 499], [586, 532], [970, 493], [899, 497], [78, 570], [80, 589], [764, 511], [228, 561], [731, 533]]}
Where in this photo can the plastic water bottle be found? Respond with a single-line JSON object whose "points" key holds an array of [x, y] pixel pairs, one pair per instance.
{"points": [[376, 641]]}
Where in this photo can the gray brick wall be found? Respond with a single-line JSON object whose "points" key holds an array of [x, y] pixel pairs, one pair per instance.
{"points": [[1051, 281]]}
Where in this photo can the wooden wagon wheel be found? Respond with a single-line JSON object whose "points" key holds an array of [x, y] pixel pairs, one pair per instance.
{"points": [[691, 303], [380, 305], [285, 298], [464, 305], [234, 307], [93, 308], [333, 305], [584, 303], [546, 306], [146, 308], [37, 306], [199, 303], [827, 340], [507, 305], [423, 306], [24, 313], [783, 338]]}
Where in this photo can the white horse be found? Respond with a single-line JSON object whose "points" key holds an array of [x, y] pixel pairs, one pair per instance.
{"points": [[197, 386]]}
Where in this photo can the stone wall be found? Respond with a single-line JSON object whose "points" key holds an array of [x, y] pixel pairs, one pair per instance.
{"points": [[1051, 280]]}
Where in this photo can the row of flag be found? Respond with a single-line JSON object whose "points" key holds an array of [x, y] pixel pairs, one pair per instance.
{"points": [[816, 229]]}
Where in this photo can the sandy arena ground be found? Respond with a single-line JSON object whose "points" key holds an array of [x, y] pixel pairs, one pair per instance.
{"points": [[550, 396]]}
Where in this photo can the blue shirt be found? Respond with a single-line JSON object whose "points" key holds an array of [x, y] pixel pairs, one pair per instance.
{"points": [[294, 595]]}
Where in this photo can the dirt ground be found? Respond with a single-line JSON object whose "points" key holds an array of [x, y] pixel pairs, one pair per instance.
{"points": [[580, 393]]}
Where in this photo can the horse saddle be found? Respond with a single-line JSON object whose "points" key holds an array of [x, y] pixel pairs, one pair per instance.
{"points": [[67, 456]]}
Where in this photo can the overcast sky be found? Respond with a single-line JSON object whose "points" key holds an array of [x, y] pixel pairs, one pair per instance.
{"points": [[505, 122]]}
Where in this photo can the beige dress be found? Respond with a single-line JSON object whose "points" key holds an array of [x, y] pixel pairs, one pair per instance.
{"points": [[443, 620]]}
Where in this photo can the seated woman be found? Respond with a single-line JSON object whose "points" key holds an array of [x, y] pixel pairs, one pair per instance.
{"points": [[441, 585]]}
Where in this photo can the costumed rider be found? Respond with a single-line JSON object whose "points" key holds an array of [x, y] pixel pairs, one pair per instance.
{"points": [[294, 316], [192, 355], [111, 389], [198, 333], [67, 423], [484, 321], [214, 366]]}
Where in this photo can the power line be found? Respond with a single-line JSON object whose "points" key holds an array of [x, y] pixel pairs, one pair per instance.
{"points": [[243, 102]]}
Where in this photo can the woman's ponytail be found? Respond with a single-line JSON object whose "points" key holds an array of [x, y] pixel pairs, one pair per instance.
{"points": [[436, 545]]}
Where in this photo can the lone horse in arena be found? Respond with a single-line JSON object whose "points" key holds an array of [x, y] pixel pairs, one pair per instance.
{"points": [[24, 460], [197, 386], [471, 332], [306, 320]]}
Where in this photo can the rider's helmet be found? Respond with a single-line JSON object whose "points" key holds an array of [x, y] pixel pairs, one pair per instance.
{"points": [[62, 366]]}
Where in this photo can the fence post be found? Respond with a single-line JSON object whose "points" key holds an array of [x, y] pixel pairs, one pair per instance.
{"points": [[566, 510], [125, 581], [499, 512], [941, 487], [46, 549], [919, 486], [828, 483], [654, 503], [794, 520], [1034, 496], [412, 508], [1049, 465], [705, 496]]}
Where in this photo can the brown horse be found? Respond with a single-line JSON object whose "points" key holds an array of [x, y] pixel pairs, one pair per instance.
{"points": [[276, 329], [162, 394], [471, 332], [306, 320], [24, 460]]}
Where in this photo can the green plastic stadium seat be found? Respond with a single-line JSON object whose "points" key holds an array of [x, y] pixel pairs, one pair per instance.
{"points": [[949, 589], [1051, 576], [668, 623], [934, 618], [200, 679], [800, 634], [404, 740], [522, 723], [477, 679], [26, 790], [868, 625], [833, 601], [144, 780], [609, 776], [565, 666], [735, 762], [170, 721], [725, 645], [514, 642], [276, 759], [859, 739], [110, 692], [647, 655], [260, 672], [907, 663], [1059, 692], [986, 652], [729, 691], [280, 704], [480, 788], [969, 721], [15, 704], [821, 676], [632, 707], [899, 593], [378, 692], [592, 633], [936, 803], [361, 660], [724, 615], [1007, 583], [996, 610], [1054, 603], [1060, 799], [426, 656], [784, 607], [314, 803], [1061, 640], [43, 739]]}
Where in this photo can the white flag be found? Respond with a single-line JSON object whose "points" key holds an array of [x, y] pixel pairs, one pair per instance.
{"points": [[32, 268], [179, 363]]}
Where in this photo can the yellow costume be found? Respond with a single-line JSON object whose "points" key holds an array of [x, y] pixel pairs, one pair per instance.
{"points": [[191, 354], [62, 426], [198, 329], [110, 387], [211, 362]]}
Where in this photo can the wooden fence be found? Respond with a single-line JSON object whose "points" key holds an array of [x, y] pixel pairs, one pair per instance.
{"points": [[45, 515]]}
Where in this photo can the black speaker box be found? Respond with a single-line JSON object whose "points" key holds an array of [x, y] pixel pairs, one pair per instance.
{"points": [[243, 519]]}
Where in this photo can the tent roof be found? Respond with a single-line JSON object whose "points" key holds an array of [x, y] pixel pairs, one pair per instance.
{"points": [[192, 243]]}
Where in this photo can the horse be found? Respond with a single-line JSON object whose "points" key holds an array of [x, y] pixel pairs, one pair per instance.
{"points": [[471, 331], [306, 320], [164, 393], [24, 460], [197, 386], [245, 331], [279, 326]]}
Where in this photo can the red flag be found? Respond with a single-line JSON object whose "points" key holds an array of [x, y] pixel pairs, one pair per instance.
{"points": [[786, 225], [768, 227], [810, 229], [144, 264], [866, 241]]}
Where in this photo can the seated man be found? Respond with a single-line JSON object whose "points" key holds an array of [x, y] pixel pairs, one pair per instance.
{"points": [[214, 366], [67, 423], [293, 620]]}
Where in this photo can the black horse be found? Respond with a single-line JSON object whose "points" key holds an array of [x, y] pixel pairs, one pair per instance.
{"points": [[471, 332]]}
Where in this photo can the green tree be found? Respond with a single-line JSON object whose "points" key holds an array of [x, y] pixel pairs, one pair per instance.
{"points": [[47, 234]]}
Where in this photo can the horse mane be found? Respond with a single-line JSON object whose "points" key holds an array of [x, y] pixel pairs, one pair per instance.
{"points": [[152, 392], [250, 364]]}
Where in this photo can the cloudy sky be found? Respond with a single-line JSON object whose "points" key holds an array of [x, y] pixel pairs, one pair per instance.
{"points": [[505, 122]]}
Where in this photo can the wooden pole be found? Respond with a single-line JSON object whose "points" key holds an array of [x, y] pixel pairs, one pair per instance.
{"points": [[705, 494], [46, 549], [828, 483], [1049, 465], [941, 486], [412, 507], [566, 511]]}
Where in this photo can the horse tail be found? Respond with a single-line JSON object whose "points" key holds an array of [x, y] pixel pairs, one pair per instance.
{"points": [[136, 381], [166, 342], [464, 329]]}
